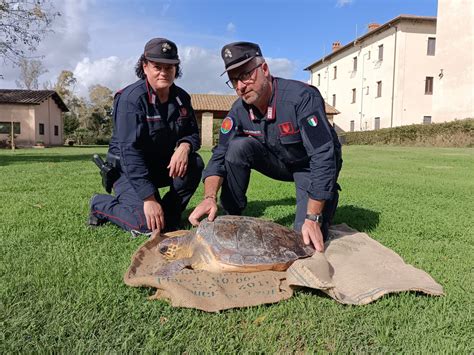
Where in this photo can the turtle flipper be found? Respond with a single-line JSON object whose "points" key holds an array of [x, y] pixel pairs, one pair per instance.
{"points": [[173, 267]]}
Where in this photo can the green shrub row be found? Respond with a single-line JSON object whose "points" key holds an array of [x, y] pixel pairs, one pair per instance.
{"points": [[458, 133]]}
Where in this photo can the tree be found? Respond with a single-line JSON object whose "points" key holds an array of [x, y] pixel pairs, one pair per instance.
{"points": [[100, 117], [64, 86], [71, 123], [30, 71], [23, 24], [101, 99]]}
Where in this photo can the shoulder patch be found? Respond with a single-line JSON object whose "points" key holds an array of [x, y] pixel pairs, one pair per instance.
{"points": [[316, 130], [227, 125]]}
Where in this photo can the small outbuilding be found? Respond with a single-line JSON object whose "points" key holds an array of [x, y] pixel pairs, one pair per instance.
{"points": [[36, 116]]}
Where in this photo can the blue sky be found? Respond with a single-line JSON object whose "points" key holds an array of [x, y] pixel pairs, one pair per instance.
{"points": [[101, 40]]}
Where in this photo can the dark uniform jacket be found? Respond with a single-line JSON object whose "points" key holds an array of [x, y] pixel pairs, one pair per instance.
{"points": [[144, 139], [295, 129]]}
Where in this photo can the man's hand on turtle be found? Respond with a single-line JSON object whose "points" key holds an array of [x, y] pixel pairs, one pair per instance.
{"points": [[155, 217], [312, 234], [208, 207]]}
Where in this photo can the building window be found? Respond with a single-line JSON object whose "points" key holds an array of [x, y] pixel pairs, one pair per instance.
{"points": [[381, 52], [377, 123], [354, 64], [354, 93], [431, 46], [6, 128], [41, 129], [319, 79], [56, 130], [429, 85], [426, 119], [379, 88], [334, 100], [335, 72], [352, 126]]}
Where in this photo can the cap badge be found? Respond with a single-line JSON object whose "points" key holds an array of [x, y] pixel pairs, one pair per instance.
{"points": [[165, 47], [227, 53]]}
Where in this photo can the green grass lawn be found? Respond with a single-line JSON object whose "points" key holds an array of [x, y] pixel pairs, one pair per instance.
{"points": [[61, 282]]}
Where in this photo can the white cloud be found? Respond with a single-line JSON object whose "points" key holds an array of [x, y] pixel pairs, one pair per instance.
{"points": [[61, 49], [201, 71], [231, 28], [99, 51], [281, 67], [342, 3], [113, 72], [70, 39]]}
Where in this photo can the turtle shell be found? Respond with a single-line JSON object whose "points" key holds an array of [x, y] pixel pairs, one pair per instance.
{"points": [[248, 241]]}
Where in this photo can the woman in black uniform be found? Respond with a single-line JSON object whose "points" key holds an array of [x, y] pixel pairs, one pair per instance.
{"points": [[154, 145]]}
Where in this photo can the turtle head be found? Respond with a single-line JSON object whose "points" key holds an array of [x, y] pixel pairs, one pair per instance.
{"points": [[175, 247]]}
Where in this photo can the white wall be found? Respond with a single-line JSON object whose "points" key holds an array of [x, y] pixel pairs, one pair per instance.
{"points": [[413, 66], [454, 91], [369, 70]]}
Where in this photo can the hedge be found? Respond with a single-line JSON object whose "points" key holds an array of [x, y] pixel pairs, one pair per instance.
{"points": [[458, 133]]}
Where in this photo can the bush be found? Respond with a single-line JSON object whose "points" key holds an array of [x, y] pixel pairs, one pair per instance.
{"points": [[451, 134], [216, 129], [102, 140]]}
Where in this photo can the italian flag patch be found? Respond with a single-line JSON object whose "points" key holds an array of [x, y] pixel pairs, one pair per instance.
{"points": [[313, 121]]}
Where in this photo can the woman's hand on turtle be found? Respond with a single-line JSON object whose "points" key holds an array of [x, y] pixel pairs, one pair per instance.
{"points": [[155, 217], [179, 161], [312, 234], [208, 207]]}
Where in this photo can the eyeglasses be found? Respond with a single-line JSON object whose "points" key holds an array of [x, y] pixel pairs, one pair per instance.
{"points": [[245, 78]]}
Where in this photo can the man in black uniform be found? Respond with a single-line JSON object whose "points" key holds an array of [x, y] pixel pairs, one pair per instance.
{"points": [[153, 145], [279, 128]]}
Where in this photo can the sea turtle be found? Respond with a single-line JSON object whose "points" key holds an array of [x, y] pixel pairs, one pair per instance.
{"points": [[235, 244]]}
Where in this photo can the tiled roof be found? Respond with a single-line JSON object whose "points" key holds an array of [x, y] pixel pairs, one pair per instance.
{"points": [[30, 97], [212, 102], [330, 110]]}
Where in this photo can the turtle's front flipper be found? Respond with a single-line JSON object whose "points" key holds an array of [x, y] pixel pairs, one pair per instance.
{"points": [[173, 267]]}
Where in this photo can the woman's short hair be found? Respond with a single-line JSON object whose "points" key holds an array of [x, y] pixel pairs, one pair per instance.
{"points": [[141, 74]]}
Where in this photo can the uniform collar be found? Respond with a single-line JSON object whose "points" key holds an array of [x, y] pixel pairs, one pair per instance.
{"points": [[153, 97], [271, 108]]}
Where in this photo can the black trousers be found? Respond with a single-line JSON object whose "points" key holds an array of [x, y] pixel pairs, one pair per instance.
{"points": [[245, 154], [125, 209]]}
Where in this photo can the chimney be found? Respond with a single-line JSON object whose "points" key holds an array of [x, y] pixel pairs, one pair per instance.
{"points": [[336, 46], [372, 26]]}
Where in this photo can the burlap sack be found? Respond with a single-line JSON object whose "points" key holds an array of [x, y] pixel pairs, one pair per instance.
{"points": [[354, 269]]}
